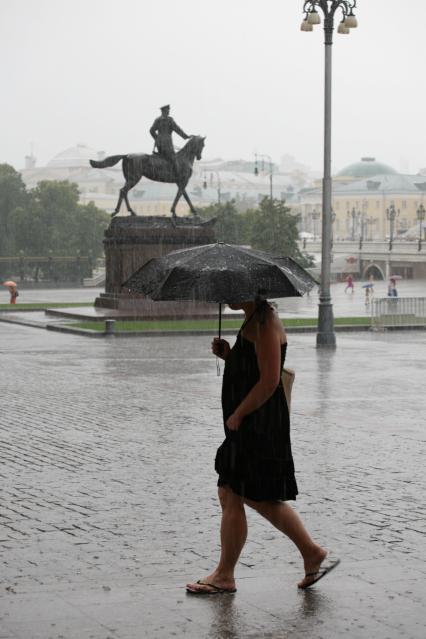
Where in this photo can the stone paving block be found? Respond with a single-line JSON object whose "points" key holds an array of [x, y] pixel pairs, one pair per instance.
{"points": [[62, 629], [107, 481]]}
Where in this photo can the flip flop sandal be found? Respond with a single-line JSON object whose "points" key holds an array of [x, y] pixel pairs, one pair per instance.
{"points": [[319, 574], [216, 590]]}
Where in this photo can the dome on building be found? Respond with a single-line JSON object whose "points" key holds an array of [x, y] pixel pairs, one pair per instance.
{"points": [[73, 157], [366, 168]]}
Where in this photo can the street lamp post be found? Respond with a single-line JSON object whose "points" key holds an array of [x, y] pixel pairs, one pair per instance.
{"points": [[333, 219], [326, 336], [315, 216], [421, 212], [391, 215], [364, 223], [271, 172], [218, 186], [354, 215]]}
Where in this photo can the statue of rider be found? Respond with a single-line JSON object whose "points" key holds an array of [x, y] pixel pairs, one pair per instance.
{"points": [[161, 131]]}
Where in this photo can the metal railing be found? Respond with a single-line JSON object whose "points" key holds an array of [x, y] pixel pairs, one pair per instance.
{"points": [[388, 312]]}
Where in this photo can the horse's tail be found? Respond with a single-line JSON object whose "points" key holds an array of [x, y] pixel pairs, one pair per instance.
{"points": [[109, 161]]}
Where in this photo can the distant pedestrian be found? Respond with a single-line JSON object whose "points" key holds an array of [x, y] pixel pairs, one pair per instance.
{"points": [[349, 283], [255, 463], [13, 290], [369, 292], [392, 290]]}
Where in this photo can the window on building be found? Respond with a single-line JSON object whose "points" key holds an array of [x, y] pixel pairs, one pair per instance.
{"points": [[377, 204], [404, 204]]}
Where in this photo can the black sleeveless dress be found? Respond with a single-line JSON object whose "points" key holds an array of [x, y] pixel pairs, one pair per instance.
{"points": [[256, 461]]}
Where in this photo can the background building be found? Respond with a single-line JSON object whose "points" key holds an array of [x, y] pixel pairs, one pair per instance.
{"points": [[363, 192]]}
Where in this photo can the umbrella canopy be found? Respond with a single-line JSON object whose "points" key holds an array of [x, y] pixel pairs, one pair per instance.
{"points": [[222, 273], [9, 283]]}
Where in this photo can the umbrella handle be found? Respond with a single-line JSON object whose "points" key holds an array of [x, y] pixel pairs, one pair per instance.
{"points": [[219, 344]]}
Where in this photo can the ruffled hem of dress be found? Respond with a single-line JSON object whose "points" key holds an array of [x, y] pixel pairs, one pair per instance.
{"points": [[262, 490]]}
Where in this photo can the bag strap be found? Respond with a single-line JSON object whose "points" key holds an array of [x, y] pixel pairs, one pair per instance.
{"points": [[287, 380]]}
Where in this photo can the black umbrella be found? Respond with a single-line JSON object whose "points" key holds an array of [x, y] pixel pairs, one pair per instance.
{"points": [[222, 273]]}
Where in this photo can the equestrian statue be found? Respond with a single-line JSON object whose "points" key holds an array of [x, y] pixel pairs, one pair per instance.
{"points": [[164, 165]]}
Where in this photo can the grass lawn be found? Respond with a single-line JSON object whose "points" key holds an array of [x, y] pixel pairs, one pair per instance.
{"points": [[191, 325], [41, 306]]}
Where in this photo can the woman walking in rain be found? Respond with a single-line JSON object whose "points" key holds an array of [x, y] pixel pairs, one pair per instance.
{"points": [[255, 463]]}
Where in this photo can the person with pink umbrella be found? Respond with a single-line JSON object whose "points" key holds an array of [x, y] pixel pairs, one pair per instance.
{"points": [[13, 290]]}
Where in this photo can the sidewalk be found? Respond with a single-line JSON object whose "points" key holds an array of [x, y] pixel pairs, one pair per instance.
{"points": [[108, 498], [344, 305]]}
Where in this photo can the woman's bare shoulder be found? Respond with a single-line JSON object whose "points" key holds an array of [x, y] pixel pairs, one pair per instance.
{"points": [[271, 322], [278, 325]]}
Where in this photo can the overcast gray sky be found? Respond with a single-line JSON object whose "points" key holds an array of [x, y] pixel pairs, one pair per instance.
{"points": [[238, 71]]}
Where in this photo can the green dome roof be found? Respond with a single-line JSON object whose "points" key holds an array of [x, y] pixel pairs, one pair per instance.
{"points": [[368, 167]]}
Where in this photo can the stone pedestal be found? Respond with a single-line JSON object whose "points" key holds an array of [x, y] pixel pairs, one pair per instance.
{"points": [[130, 242]]}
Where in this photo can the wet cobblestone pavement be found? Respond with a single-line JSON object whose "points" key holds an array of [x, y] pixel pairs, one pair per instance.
{"points": [[108, 498]]}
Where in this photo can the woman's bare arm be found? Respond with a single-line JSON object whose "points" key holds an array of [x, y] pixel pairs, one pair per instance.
{"points": [[268, 352]]}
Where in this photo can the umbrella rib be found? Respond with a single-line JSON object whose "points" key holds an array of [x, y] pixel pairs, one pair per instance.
{"points": [[182, 261], [187, 258], [163, 283], [246, 252]]}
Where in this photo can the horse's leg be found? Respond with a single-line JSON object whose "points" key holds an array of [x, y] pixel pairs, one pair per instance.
{"points": [[176, 200], [131, 181], [186, 196], [126, 189], [123, 196], [117, 208]]}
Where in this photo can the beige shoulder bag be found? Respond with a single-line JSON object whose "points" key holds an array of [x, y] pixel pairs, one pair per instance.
{"points": [[287, 379]]}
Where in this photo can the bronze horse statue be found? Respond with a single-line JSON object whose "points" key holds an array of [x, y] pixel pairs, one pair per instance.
{"points": [[156, 168]]}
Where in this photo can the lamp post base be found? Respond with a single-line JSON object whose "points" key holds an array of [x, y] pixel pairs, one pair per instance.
{"points": [[326, 337]]}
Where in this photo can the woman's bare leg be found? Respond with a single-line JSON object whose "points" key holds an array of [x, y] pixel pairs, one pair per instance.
{"points": [[233, 535], [286, 519]]}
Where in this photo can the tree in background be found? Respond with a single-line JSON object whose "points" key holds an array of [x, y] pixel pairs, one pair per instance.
{"points": [[230, 225], [63, 225], [91, 223], [270, 227], [273, 228], [13, 196], [48, 219]]}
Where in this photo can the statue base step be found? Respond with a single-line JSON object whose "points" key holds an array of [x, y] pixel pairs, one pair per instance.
{"points": [[138, 307]]}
